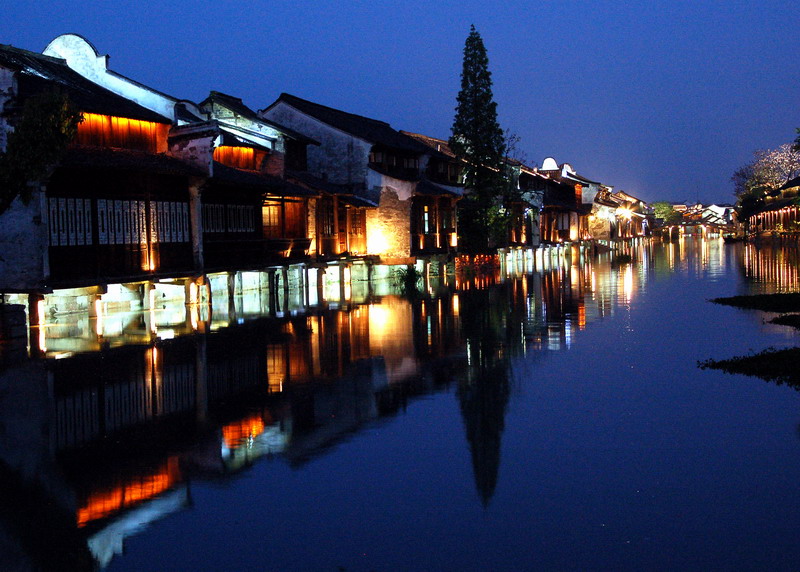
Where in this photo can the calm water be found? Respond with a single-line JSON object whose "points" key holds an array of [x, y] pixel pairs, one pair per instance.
{"points": [[554, 420]]}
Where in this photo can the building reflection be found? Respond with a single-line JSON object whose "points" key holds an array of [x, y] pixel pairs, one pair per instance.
{"points": [[771, 269], [116, 428]]}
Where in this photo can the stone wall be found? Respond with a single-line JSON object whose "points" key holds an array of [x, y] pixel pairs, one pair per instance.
{"points": [[195, 150], [599, 228], [24, 246], [311, 225], [388, 232], [7, 91]]}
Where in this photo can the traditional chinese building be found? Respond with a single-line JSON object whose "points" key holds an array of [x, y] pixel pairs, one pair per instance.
{"points": [[115, 207], [633, 218], [779, 212], [152, 187], [409, 183]]}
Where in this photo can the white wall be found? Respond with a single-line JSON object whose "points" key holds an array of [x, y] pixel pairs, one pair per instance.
{"points": [[340, 156], [82, 57]]}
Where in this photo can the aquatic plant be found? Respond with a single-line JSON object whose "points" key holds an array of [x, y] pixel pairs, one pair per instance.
{"points": [[779, 366]]}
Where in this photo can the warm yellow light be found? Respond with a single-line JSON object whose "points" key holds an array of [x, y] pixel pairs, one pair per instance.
{"points": [[625, 213], [98, 311], [234, 434], [101, 504], [40, 321], [377, 242], [627, 283]]}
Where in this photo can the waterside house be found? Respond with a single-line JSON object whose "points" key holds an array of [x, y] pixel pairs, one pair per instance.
{"points": [[405, 189], [153, 187], [633, 217], [779, 212], [562, 211]]}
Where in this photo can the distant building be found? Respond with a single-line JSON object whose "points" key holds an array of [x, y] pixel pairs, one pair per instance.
{"points": [[780, 211]]}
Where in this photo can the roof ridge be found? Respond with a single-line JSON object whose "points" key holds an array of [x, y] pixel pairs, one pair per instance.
{"points": [[39, 55], [315, 104]]}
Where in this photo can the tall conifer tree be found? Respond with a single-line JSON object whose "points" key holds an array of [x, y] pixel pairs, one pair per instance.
{"points": [[478, 140]]}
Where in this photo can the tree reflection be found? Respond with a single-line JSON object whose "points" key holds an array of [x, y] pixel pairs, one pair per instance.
{"points": [[483, 392]]}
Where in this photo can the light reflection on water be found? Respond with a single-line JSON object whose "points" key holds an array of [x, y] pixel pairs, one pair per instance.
{"points": [[164, 402]]}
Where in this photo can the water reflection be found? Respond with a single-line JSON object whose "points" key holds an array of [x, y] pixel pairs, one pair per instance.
{"points": [[127, 410], [771, 270]]}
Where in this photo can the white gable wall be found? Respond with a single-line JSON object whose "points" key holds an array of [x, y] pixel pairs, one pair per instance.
{"points": [[82, 57], [340, 156]]}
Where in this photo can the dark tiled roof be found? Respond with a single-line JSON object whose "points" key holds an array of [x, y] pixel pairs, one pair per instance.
{"points": [[126, 160], [425, 187], [438, 145], [258, 181], [38, 73], [185, 115], [581, 179], [371, 130], [778, 205], [317, 183], [790, 184], [355, 201], [344, 192]]}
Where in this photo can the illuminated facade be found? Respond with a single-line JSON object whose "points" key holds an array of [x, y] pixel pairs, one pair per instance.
{"points": [[153, 187], [406, 188], [780, 212]]}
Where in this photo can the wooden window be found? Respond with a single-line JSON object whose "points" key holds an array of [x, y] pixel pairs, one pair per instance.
{"points": [[357, 217], [80, 231], [295, 214], [53, 221], [325, 216], [71, 221], [87, 218], [62, 222], [119, 230], [154, 222], [271, 220], [126, 222], [102, 222]]}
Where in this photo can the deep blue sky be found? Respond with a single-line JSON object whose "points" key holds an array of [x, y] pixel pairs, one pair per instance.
{"points": [[662, 100]]}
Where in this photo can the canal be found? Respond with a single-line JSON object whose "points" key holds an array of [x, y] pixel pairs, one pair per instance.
{"points": [[547, 419]]}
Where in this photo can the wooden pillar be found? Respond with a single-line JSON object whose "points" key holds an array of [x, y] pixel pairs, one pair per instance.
{"points": [[196, 222], [285, 278], [336, 225], [36, 323], [231, 284], [273, 293]]}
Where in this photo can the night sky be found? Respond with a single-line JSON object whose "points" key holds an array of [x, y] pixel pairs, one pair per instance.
{"points": [[662, 100]]}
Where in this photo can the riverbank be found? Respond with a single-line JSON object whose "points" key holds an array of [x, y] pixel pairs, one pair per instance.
{"points": [[775, 365]]}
